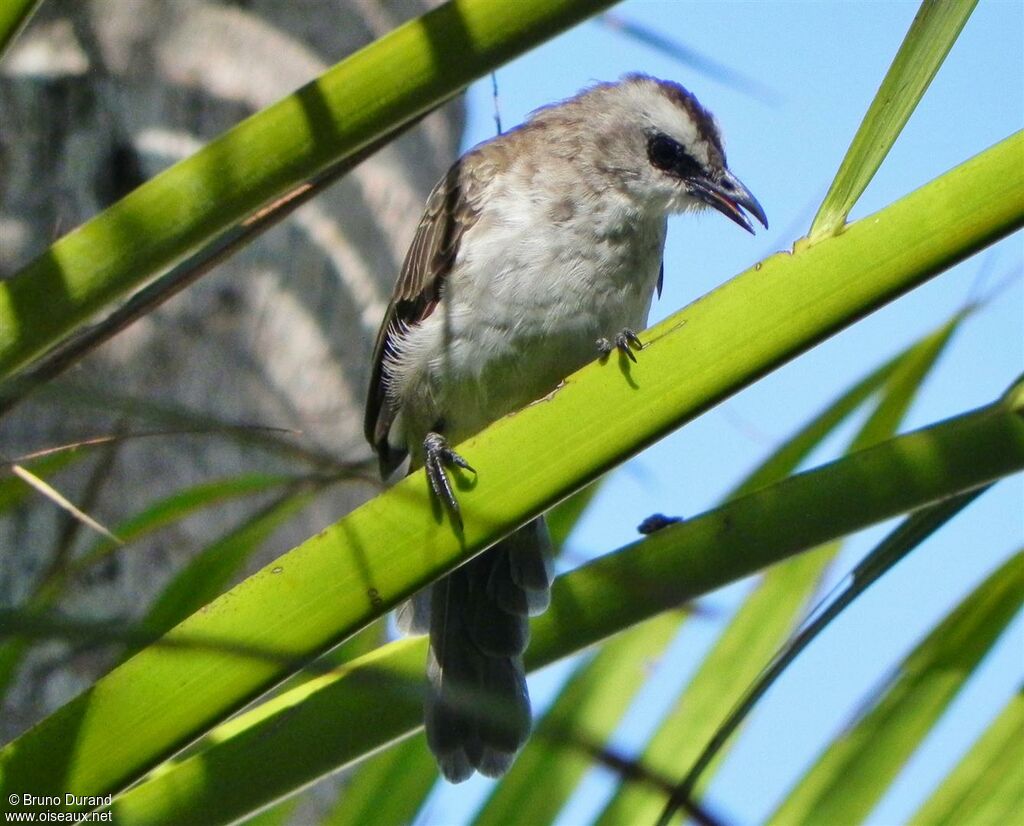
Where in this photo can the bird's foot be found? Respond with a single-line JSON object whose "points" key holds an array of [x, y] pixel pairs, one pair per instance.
{"points": [[437, 456], [625, 341]]}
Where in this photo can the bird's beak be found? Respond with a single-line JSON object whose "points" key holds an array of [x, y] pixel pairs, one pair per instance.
{"points": [[727, 195]]}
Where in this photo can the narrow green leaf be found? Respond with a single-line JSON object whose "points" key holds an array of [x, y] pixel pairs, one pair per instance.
{"points": [[363, 642], [181, 504], [788, 456], [931, 36], [208, 573], [407, 769], [279, 814], [903, 383], [245, 767], [563, 517], [337, 719], [771, 611], [14, 15], [911, 532], [750, 639], [367, 639], [848, 779], [174, 508], [390, 82], [987, 786], [336, 582], [182, 420], [901, 375], [581, 720], [85, 632]]}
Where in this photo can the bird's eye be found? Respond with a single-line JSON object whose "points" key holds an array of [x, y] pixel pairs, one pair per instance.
{"points": [[668, 155], [663, 151]]}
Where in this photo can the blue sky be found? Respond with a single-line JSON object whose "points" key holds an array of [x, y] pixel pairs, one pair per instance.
{"points": [[822, 62]]}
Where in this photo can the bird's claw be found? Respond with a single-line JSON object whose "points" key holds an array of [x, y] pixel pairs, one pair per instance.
{"points": [[437, 456], [625, 341]]}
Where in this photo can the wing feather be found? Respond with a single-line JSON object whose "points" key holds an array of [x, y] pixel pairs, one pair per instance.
{"points": [[448, 214]]}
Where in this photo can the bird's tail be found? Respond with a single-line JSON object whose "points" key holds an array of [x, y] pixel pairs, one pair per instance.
{"points": [[477, 708]]}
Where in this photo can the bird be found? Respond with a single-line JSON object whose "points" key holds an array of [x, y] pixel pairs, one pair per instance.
{"points": [[538, 251]]}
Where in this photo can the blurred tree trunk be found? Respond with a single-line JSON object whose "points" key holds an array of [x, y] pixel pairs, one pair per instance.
{"points": [[95, 97]]}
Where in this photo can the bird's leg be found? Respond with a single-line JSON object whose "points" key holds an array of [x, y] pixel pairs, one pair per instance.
{"points": [[625, 341], [438, 455]]}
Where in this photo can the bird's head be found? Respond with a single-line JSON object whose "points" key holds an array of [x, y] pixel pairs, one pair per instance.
{"points": [[661, 147]]}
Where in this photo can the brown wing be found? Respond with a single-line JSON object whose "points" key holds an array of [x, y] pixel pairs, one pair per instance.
{"points": [[446, 217]]}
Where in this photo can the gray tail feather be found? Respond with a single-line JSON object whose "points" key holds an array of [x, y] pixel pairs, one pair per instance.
{"points": [[477, 708]]}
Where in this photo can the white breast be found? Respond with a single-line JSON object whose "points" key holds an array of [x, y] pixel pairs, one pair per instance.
{"points": [[523, 307]]}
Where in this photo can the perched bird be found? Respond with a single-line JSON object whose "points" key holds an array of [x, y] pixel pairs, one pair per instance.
{"points": [[538, 250]]}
